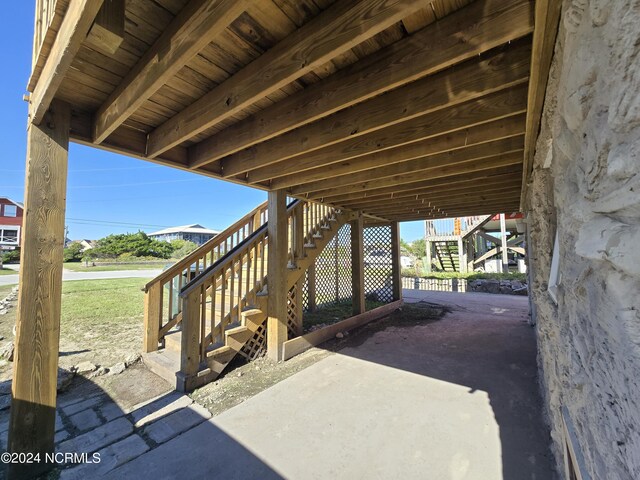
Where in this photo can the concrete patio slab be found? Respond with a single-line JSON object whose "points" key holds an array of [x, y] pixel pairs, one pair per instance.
{"points": [[452, 399]]}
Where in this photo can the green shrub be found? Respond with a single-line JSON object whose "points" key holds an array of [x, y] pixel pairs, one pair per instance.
{"points": [[73, 253], [11, 256]]}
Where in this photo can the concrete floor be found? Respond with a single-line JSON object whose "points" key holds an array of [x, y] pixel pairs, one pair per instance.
{"points": [[454, 399]]}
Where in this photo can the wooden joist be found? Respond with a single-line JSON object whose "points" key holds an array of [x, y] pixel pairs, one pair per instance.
{"points": [[383, 161], [476, 28], [196, 25], [431, 166], [419, 98], [334, 197], [107, 32], [331, 33], [75, 25], [547, 17]]}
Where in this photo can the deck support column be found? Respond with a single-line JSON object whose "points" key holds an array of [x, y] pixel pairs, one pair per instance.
{"points": [[462, 257], [277, 274], [357, 265], [396, 283], [35, 365], [503, 237]]}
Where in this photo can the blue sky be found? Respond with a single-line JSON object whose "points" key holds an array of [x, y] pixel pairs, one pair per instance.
{"points": [[110, 193]]}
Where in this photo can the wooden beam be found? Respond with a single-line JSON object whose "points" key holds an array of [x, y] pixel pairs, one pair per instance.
{"points": [[107, 32], [336, 197], [434, 195], [336, 30], [493, 131], [35, 364], [357, 265], [396, 266], [75, 25], [437, 185], [547, 18], [197, 24], [277, 273], [476, 28], [424, 96], [439, 164], [300, 344]]}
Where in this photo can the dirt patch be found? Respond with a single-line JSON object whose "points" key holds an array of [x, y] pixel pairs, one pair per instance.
{"points": [[243, 381]]}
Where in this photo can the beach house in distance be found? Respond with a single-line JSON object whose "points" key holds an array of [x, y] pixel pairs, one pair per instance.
{"points": [[10, 223], [195, 233]]}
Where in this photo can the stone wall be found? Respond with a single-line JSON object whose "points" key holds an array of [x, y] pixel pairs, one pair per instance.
{"points": [[586, 180]]}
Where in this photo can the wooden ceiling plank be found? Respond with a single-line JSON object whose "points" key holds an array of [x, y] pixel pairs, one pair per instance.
{"points": [[479, 27], [512, 162], [419, 165], [547, 18], [327, 35], [506, 174], [472, 82], [195, 26], [406, 103], [497, 130], [75, 25], [443, 204]]}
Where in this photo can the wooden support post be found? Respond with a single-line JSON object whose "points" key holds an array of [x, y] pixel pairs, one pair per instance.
{"points": [[396, 283], [299, 309], [357, 265], [107, 32], [462, 257], [298, 234], [503, 236], [35, 365], [277, 274], [152, 317], [427, 243], [190, 342], [311, 283]]}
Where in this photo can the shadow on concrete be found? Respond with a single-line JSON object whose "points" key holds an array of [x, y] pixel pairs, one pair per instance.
{"points": [[96, 438], [487, 346]]}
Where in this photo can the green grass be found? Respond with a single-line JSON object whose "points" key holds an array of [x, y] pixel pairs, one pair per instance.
{"points": [[101, 321], [6, 271], [79, 266]]}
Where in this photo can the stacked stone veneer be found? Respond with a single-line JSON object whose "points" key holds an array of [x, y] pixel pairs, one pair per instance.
{"points": [[586, 181]]}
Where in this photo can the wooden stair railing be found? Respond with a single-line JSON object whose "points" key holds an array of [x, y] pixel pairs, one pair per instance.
{"points": [[163, 305], [226, 304]]}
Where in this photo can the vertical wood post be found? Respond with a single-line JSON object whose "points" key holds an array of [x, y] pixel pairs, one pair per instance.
{"points": [[503, 237], [277, 274], [395, 261], [152, 317], [462, 257], [35, 365], [299, 309], [298, 233], [190, 342], [357, 265], [311, 283]]}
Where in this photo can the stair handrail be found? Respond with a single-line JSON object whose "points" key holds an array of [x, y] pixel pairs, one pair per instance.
{"points": [[229, 257], [211, 244]]}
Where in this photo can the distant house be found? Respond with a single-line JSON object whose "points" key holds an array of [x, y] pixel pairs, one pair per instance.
{"points": [[86, 244], [193, 233], [10, 223]]}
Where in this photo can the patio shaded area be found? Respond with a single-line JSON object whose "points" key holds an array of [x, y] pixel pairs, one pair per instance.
{"points": [[455, 398]]}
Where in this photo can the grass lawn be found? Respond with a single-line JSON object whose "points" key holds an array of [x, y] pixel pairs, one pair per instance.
{"points": [[79, 266], [6, 271], [101, 321]]}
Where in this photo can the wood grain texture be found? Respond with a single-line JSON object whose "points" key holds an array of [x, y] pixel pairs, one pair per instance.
{"points": [[547, 18], [478, 27], [332, 32], [197, 25], [35, 365], [75, 25], [396, 266], [107, 32], [466, 82], [277, 274], [357, 265]]}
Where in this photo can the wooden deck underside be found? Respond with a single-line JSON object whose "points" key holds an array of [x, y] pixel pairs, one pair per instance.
{"points": [[403, 109]]}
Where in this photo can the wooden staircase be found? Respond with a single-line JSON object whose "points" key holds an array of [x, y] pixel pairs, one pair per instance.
{"points": [[447, 255], [226, 302]]}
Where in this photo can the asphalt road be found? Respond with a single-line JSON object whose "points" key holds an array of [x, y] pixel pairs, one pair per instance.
{"points": [[68, 275]]}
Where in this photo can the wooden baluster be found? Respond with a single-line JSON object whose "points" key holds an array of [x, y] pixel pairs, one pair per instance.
{"points": [[232, 289], [223, 299], [247, 286], [170, 312], [214, 294], [180, 274], [203, 320]]}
